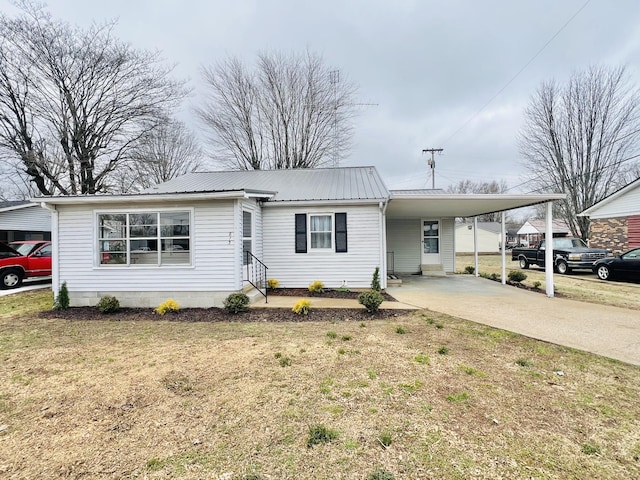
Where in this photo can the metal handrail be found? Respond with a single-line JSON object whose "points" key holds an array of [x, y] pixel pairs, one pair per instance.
{"points": [[254, 265]]}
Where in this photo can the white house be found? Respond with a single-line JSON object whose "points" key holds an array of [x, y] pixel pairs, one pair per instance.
{"points": [[615, 220], [23, 220], [533, 231], [201, 236], [488, 238]]}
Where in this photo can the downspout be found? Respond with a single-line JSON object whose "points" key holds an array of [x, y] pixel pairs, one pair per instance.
{"points": [[55, 264], [383, 244]]}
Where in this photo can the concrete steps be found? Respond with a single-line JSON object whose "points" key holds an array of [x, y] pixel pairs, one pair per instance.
{"points": [[432, 270]]}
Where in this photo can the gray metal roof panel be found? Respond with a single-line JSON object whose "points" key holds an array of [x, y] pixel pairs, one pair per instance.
{"points": [[348, 183]]}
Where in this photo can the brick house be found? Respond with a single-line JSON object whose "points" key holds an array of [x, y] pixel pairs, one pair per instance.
{"points": [[615, 220]]}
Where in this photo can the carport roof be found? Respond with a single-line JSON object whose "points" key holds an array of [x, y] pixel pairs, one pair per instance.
{"points": [[420, 203]]}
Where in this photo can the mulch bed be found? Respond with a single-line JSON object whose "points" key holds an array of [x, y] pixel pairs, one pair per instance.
{"points": [[328, 293], [220, 315], [253, 315]]}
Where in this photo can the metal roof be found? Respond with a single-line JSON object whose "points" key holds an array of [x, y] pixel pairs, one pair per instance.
{"points": [[348, 183]]}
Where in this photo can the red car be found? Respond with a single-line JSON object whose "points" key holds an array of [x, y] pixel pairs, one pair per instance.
{"points": [[20, 260]]}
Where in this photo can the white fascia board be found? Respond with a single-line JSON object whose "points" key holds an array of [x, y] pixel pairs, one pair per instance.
{"points": [[481, 196], [142, 198], [17, 207], [311, 203]]}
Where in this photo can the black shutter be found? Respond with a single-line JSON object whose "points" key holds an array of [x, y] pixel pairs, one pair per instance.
{"points": [[341, 232], [301, 233]]}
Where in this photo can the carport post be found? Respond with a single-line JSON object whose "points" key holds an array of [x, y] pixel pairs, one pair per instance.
{"points": [[548, 253], [503, 231], [475, 244]]}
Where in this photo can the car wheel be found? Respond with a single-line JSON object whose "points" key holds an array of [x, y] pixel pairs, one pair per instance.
{"points": [[524, 264], [11, 278], [562, 267], [603, 272]]}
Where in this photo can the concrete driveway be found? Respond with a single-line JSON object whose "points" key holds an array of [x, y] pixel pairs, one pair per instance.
{"points": [[609, 331], [35, 284]]}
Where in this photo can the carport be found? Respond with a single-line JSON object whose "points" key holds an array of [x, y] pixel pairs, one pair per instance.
{"points": [[423, 221]]}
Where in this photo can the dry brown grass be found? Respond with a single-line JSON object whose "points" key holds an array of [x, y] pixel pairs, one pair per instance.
{"points": [[580, 285], [158, 399]]}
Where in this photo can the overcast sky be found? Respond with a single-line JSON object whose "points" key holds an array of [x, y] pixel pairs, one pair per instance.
{"points": [[430, 66]]}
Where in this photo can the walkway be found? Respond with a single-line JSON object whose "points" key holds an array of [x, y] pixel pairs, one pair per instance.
{"points": [[609, 331]]}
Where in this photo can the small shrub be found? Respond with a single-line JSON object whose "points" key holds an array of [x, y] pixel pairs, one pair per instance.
{"points": [[236, 303], [169, 306], [302, 307], [371, 300], [108, 304], [400, 330], [517, 276], [272, 283], [536, 285], [332, 334], [62, 300], [385, 438], [470, 269], [316, 287], [375, 282], [443, 350], [495, 277], [320, 434], [380, 474]]}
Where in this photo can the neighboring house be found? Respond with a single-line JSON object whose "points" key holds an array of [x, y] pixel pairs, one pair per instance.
{"points": [[23, 220], [533, 231], [188, 238], [489, 234], [615, 220]]}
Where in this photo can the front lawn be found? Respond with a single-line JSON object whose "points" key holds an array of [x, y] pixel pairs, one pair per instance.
{"points": [[417, 396]]}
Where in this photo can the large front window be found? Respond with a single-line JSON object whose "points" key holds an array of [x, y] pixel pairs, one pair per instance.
{"points": [[144, 238]]}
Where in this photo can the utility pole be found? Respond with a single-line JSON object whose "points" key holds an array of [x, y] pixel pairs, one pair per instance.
{"points": [[432, 163]]}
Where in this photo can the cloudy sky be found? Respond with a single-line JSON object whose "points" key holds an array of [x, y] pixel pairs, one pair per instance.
{"points": [[444, 74]]}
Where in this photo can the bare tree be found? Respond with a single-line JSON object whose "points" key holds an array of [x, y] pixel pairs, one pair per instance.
{"points": [[73, 102], [580, 139], [162, 154], [493, 187], [289, 112]]}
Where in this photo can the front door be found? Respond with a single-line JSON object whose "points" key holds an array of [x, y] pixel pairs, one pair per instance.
{"points": [[430, 242]]}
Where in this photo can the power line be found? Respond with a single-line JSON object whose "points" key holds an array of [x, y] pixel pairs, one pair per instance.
{"points": [[473, 117]]}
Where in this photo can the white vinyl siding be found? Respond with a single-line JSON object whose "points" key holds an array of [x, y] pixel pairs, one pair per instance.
{"points": [[447, 244], [625, 205], [355, 267], [26, 219], [403, 239], [214, 254]]}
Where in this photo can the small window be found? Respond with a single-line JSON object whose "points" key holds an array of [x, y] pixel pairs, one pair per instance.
{"points": [[320, 231], [247, 237]]}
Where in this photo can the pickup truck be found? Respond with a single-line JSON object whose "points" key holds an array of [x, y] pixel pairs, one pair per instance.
{"points": [[20, 260], [568, 254]]}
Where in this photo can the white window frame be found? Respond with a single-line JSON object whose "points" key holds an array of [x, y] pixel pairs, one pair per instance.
{"points": [[127, 239], [330, 248]]}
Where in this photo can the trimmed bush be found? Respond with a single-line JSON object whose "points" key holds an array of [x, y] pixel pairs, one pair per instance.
{"points": [[62, 300], [470, 269], [375, 282], [302, 307], [316, 287], [169, 306], [108, 304], [236, 303], [272, 283], [371, 300], [517, 276]]}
